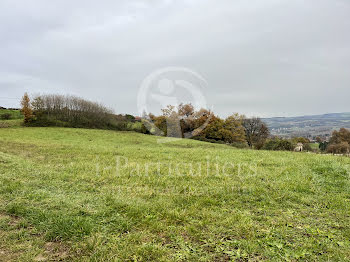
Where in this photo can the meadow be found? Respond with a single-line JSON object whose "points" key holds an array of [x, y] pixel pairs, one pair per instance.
{"points": [[96, 195], [14, 114]]}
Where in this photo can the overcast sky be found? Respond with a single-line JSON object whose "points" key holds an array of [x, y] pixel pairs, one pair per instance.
{"points": [[258, 57]]}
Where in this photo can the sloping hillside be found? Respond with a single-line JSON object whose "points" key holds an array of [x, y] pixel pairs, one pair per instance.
{"points": [[101, 195]]}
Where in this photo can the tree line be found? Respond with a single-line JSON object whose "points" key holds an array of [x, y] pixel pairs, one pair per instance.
{"points": [[73, 111], [186, 122], [183, 121]]}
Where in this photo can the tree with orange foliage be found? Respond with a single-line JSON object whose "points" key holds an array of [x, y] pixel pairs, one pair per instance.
{"points": [[26, 108]]}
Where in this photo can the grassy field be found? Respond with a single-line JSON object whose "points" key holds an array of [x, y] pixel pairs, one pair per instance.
{"points": [[16, 118], [15, 114], [315, 146], [92, 195]]}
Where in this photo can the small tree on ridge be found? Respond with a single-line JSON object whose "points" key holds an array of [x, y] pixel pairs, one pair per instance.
{"points": [[26, 108]]}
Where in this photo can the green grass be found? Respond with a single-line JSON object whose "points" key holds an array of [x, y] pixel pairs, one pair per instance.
{"points": [[15, 114], [16, 118], [315, 146], [11, 123], [61, 197]]}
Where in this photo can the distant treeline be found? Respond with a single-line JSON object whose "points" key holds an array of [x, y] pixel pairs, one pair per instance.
{"points": [[72, 111], [186, 122], [183, 121]]}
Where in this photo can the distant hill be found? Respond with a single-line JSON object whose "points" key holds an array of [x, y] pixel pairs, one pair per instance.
{"points": [[308, 126]]}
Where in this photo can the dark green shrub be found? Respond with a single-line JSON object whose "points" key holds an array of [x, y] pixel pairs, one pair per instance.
{"points": [[323, 146], [278, 144], [6, 116]]}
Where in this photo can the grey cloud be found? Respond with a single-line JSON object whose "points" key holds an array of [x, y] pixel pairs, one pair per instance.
{"points": [[259, 57]]}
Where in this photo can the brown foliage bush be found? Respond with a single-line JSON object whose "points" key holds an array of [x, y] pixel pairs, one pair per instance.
{"points": [[340, 148]]}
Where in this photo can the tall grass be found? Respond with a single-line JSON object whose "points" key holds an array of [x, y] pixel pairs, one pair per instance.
{"points": [[109, 196]]}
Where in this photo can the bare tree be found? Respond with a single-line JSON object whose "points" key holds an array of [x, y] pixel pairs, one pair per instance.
{"points": [[256, 132]]}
